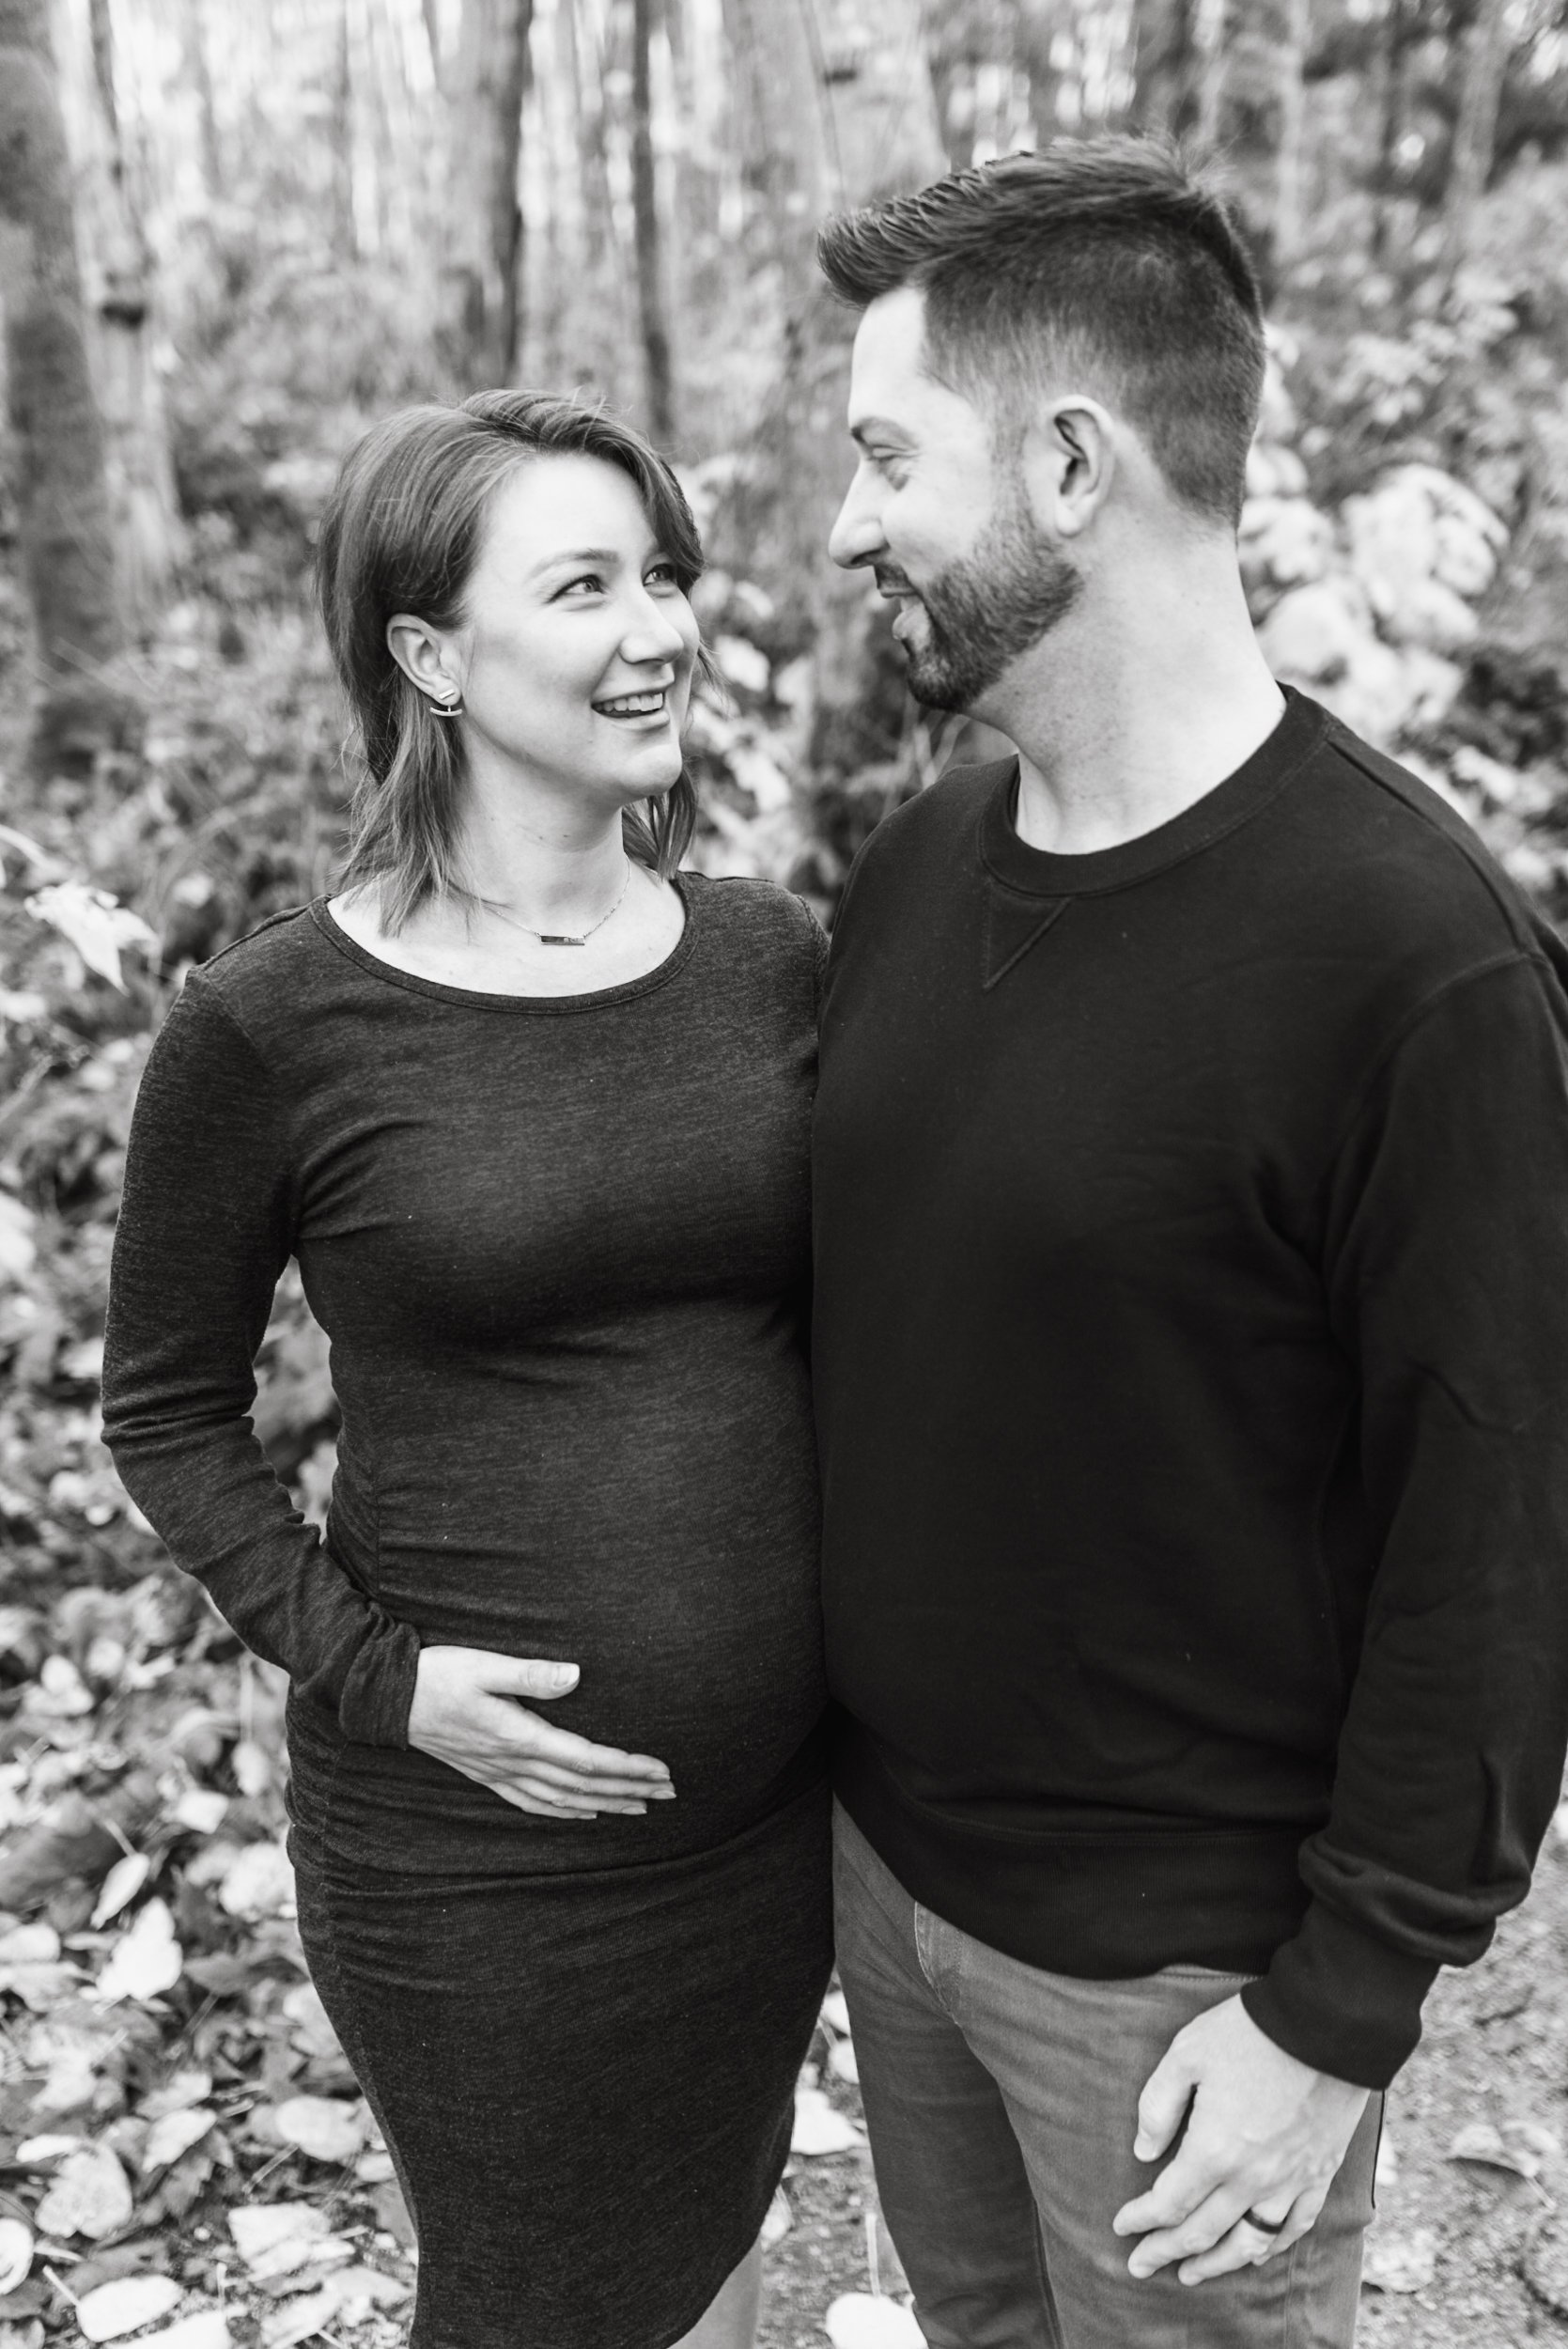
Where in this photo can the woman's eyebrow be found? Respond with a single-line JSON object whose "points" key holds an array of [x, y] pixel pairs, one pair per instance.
{"points": [[577, 554]]}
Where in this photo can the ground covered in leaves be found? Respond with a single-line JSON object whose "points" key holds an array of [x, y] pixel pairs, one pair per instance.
{"points": [[185, 2160]]}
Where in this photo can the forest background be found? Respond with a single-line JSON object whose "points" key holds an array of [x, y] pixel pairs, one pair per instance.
{"points": [[232, 234]]}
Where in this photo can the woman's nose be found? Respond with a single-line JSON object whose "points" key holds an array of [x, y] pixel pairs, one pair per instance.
{"points": [[653, 633]]}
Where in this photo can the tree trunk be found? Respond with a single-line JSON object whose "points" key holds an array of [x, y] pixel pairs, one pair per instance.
{"points": [[838, 115], [199, 69], [1208, 44], [148, 540], [657, 389], [1392, 97], [344, 230], [57, 432], [1483, 62], [484, 220], [1290, 158]]}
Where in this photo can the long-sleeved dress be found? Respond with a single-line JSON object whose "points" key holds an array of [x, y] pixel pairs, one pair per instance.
{"points": [[560, 1247]]}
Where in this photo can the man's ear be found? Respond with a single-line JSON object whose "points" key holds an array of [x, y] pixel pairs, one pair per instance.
{"points": [[1069, 463]]}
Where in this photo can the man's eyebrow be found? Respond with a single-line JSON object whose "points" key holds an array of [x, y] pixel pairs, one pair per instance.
{"points": [[869, 429]]}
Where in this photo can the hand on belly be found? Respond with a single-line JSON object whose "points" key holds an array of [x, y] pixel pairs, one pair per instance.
{"points": [[467, 1713]]}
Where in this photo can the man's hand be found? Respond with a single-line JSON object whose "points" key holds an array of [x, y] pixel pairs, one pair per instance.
{"points": [[1266, 2134], [466, 1712]]}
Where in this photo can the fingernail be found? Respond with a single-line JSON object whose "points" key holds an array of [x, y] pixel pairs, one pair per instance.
{"points": [[562, 1675]]}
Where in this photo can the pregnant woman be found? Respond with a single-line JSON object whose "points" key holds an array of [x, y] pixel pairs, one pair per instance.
{"points": [[530, 1107]]}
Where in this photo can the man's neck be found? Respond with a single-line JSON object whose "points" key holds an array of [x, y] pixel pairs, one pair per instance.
{"points": [[1128, 714]]}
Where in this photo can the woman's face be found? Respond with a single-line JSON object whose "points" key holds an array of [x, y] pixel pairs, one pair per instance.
{"points": [[575, 647]]}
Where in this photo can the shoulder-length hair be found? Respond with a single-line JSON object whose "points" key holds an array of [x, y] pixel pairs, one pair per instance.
{"points": [[402, 533]]}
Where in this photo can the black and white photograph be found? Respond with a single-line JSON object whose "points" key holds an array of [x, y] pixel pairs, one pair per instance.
{"points": [[784, 1173]]}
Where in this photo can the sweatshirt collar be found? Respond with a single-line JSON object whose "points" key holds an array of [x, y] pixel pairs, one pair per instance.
{"points": [[1045, 873]]}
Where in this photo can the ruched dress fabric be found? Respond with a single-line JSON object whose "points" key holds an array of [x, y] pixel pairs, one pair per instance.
{"points": [[560, 1246]]}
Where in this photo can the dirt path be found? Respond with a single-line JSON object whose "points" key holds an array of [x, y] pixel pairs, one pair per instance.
{"points": [[1494, 2052]]}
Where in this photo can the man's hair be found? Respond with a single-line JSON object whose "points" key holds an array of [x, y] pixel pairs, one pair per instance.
{"points": [[1107, 256]]}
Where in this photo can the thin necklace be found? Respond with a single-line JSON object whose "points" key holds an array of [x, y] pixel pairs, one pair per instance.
{"points": [[559, 938]]}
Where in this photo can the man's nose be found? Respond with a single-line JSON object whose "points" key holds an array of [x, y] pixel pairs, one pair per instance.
{"points": [[856, 536]]}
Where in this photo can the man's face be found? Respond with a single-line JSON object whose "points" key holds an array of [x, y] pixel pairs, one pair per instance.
{"points": [[947, 529]]}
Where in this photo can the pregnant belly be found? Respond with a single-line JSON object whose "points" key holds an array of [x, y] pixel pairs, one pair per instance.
{"points": [[710, 1659]]}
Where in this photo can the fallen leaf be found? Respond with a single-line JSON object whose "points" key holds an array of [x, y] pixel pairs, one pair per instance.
{"points": [[16, 2253], [26, 2334], [392, 2214], [366, 2287], [90, 2196], [297, 2320], [856, 2321], [818, 2128], [251, 1765], [375, 2168], [208, 2331], [835, 2013], [322, 2126], [313, 2033], [1479, 2142], [174, 2134], [780, 2220], [119, 2308], [184, 2088], [1544, 2265], [201, 1808], [842, 2061], [258, 1883], [123, 1882], [33, 2150], [290, 2267], [1400, 2262], [261, 2230], [29, 1945], [146, 1961]]}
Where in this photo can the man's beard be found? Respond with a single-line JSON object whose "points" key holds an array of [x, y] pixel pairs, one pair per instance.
{"points": [[985, 610]]}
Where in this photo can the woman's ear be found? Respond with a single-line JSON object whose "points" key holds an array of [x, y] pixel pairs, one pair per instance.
{"points": [[426, 658], [1069, 463]]}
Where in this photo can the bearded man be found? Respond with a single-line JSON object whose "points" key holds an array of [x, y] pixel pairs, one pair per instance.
{"points": [[1192, 1327]]}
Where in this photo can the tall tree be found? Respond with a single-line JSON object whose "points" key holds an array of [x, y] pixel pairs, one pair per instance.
{"points": [[56, 433], [1483, 60], [148, 537], [1289, 154], [659, 390], [485, 84]]}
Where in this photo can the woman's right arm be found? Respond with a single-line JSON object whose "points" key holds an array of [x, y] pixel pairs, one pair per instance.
{"points": [[206, 1228]]}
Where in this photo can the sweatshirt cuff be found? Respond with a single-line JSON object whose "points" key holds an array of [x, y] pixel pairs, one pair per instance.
{"points": [[1342, 2000]]}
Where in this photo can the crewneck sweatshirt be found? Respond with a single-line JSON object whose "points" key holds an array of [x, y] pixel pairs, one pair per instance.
{"points": [[1191, 1356]]}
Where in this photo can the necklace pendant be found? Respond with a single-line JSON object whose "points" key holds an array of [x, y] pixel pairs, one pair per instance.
{"points": [[548, 939]]}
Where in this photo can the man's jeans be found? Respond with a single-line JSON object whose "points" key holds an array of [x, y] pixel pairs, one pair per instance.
{"points": [[1002, 2101]]}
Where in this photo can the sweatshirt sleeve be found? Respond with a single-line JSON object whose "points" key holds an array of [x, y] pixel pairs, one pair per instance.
{"points": [[1447, 1276], [206, 1228]]}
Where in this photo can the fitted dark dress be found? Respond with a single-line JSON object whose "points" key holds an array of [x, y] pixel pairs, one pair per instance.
{"points": [[560, 1247]]}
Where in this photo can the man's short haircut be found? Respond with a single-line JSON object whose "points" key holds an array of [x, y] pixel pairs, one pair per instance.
{"points": [[1104, 257]]}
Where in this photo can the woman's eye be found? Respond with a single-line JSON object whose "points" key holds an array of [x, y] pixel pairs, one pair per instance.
{"points": [[663, 575], [589, 580]]}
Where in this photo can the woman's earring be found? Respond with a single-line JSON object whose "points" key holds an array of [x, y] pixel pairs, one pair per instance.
{"points": [[453, 708]]}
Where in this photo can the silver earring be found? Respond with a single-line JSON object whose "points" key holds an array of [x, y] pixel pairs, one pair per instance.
{"points": [[453, 708]]}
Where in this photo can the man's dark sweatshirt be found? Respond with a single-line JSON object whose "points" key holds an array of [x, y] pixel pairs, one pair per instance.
{"points": [[1192, 1374]]}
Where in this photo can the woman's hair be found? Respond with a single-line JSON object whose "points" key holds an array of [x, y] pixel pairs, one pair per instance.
{"points": [[401, 533]]}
